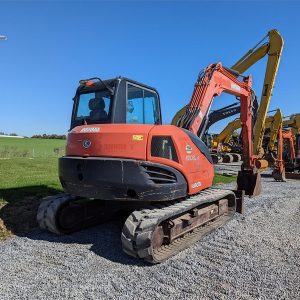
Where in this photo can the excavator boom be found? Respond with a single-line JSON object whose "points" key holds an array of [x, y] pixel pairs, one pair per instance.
{"points": [[272, 48], [274, 51], [275, 126], [213, 82]]}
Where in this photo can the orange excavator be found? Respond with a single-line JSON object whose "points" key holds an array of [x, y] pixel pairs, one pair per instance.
{"points": [[286, 165], [120, 157]]}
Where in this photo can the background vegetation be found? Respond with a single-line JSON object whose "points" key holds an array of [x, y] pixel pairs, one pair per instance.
{"points": [[31, 147]]}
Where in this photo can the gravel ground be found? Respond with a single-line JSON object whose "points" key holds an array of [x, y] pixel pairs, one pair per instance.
{"points": [[255, 256]]}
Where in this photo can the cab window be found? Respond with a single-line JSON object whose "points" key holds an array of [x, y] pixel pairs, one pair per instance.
{"points": [[93, 107], [142, 106]]}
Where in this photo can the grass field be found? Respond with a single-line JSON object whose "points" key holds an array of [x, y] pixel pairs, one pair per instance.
{"points": [[27, 147], [24, 181]]}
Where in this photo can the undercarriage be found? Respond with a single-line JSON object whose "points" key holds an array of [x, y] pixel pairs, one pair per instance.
{"points": [[153, 231]]}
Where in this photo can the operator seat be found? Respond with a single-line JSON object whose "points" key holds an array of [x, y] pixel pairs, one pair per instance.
{"points": [[97, 105]]}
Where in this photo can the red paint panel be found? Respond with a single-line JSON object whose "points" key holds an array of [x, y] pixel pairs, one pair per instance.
{"points": [[109, 140], [195, 167]]}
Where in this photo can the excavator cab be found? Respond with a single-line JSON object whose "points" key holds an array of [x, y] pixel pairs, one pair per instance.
{"points": [[115, 101]]}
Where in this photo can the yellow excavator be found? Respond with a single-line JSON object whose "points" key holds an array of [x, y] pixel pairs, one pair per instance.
{"points": [[272, 125], [223, 141], [220, 144], [293, 122], [276, 133], [273, 48]]}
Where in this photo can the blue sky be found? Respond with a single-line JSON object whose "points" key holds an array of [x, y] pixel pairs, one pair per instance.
{"points": [[53, 44]]}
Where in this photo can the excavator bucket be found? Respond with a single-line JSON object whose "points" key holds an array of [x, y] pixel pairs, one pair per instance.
{"points": [[250, 183], [279, 175]]}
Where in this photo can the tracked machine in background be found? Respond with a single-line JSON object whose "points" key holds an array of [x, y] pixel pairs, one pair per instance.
{"points": [[271, 45], [223, 143], [120, 157], [273, 48], [227, 144], [221, 114], [292, 122], [287, 165], [272, 127], [280, 144]]}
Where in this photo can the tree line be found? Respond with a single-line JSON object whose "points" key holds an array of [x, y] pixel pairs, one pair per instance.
{"points": [[50, 136], [40, 136], [11, 134]]}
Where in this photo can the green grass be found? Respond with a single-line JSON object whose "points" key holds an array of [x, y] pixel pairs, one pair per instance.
{"points": [[223, 179], [28, 147], [24, 182]]}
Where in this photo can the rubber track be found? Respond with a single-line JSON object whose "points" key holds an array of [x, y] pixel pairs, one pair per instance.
{"points": [[47, 211], [139, 227]]}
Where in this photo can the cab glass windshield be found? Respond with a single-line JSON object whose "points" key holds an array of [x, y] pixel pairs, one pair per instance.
{"points": [[93, 108]]}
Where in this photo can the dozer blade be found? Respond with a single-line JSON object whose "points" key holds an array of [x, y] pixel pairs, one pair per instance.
{"points": [[250, 183], [279, 176]]}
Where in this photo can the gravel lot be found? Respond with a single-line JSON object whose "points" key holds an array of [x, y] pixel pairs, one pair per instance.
{"points": [[255, 256]]}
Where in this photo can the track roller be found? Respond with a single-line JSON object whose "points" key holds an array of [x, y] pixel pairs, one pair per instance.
{"points": [[227, 158], [236, 157], [215, 158]]}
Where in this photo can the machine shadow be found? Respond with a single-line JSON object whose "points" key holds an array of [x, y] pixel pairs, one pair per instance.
{"points": [[18, 217], [104, 240], [19, 213]]}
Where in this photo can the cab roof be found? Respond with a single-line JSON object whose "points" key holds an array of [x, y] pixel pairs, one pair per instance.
{"points": [[111, 83]]}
